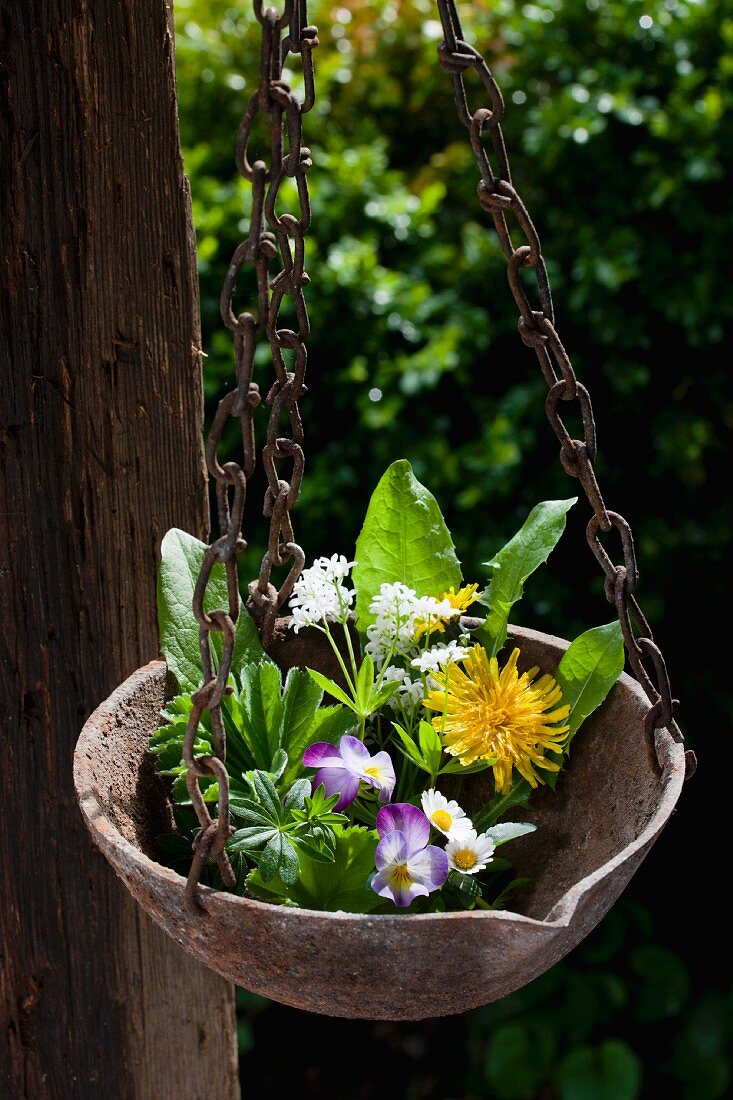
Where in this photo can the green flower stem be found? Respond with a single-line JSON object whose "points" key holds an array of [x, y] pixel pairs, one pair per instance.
{"points": [[340, 660], [347, 632]]}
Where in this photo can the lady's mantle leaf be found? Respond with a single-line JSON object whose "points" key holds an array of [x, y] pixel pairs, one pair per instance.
{"points": [[404, 538], [340, 884], [181, 558], [515, 562], [588, 670]]}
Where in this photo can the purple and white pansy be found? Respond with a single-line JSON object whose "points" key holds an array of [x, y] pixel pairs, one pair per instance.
{"points": [[407, 866], [342, 768]]}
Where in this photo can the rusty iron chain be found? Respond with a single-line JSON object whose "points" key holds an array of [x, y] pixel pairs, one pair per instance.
{"points": [[284, 111], [499, 198]]}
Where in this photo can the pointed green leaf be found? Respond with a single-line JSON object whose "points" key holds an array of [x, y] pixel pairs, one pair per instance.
{"points": [[515, 562], [296, 796], [404, 538], [364, 683], [301, 699], [330, 687], [267, 795], [251, 838], [517, 795], [328, 724], [411, 750], [262, 712], [588, 670], [279, 858]]}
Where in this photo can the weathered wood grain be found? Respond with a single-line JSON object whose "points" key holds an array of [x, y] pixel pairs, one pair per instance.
{"points": [[101, 409]]}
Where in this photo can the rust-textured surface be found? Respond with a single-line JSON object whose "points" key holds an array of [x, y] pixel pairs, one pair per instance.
{"points": [[100, 400], [592, 836]]}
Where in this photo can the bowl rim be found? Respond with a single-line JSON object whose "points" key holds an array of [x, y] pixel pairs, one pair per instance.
{"points": [[127, 859]]}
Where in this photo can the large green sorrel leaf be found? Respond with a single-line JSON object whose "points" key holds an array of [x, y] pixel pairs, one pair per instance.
{"points": [[515, 562], [588, 670], [181, 558], [404, 538]]}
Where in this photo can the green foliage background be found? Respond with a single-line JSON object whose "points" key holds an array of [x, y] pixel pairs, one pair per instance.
{"points": [[620, 133]]}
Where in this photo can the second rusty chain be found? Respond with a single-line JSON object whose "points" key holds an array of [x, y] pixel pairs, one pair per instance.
{"points": [[499, 198], [286, 232], [274, 99]]}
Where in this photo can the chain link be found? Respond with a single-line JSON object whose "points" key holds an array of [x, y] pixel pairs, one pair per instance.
{"points": [[285, 232], [498, 197]]}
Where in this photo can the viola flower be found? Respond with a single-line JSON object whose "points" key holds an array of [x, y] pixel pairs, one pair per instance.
{"points": [[470, 852], [342, 768], [489, 714], [407, 866], [447, 817]]}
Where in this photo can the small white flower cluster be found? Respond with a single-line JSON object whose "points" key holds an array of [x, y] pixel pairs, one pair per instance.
{"points": [[432, 660], [468, 851], [409, 692], [402, 618], [400, 615], [319, 593]]}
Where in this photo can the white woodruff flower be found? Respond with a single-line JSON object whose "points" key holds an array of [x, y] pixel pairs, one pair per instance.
{"points": [[401, 617], [469, 853], [439, 655], [318, 593], [409, 692], [335, 568], [444, 815]]}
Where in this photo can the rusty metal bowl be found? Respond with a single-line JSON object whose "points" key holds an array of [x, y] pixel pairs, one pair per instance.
{"points": [[593, 832]]}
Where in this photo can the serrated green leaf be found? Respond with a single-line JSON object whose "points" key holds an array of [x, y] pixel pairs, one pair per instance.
{"points": [[588, 670], [515, 562], [250, 839], [278, 861], [404, 538], [247, 810], [261, 712], [318, 855], [328, 724], [181, 559], [301, 700], [296, 796], [267, 795], [338, 885], [279, 764]]}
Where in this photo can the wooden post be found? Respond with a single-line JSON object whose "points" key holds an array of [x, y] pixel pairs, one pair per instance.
{"points": [[100, 418]]}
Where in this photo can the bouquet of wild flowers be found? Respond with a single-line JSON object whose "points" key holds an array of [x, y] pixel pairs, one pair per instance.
{"points": [[346, 790]]}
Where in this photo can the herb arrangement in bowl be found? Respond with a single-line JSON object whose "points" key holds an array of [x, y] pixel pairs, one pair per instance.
{"points": [[347, 790]]}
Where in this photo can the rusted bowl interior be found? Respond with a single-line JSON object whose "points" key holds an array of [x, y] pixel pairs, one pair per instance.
{"points": [[593, 833]]}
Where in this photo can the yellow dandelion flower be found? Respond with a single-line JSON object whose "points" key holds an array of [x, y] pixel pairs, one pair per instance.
{"points": [[460, 601], [485, 713]]}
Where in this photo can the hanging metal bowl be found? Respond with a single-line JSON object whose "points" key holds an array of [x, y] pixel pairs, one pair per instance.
{"points": [[593, 832]]}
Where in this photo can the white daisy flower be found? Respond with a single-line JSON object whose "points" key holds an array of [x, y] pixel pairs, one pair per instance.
{"points": [[438, 656], [469, 852], [447, 817]]}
